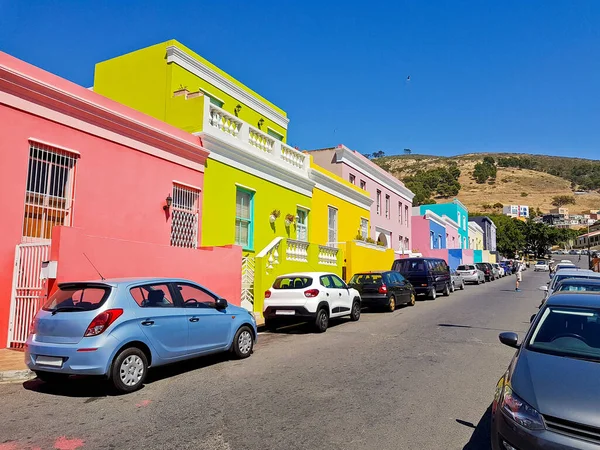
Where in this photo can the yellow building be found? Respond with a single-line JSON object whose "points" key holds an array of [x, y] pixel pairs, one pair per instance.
{"points": [[475, 236]]}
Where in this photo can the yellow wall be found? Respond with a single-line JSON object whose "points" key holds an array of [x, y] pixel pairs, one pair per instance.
{"points": [[218, 209], [144, 81], [361, 257]]}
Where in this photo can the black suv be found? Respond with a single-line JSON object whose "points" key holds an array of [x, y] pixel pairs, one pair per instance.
{"points": [[487, 270], [427, 275]]}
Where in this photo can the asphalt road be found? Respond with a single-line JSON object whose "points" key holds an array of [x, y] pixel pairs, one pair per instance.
{"points": [[419, 378]]}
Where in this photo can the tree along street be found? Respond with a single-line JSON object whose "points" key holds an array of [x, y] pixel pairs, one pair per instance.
{"points": [[422, 377]]}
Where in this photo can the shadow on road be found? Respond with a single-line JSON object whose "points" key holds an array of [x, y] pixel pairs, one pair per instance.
{"points": [[451, 325], [98, 387], [307, 327], [480, 439]]}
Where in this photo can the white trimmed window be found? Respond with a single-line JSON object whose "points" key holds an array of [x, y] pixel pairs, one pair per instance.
{"points": [[400, 213], [244, 215], [50, 191], [352, 179], [332, 226], [364, 228], [302, 224], [185, 213], [406, 216], [387, 206], [378, 202]]}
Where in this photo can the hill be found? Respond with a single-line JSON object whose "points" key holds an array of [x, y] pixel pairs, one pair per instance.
{"points": [[520, 179]]}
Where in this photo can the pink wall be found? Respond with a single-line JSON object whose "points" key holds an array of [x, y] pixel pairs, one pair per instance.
{"points": [[217, 268], [421, 242], [452, 233], [467, 256]]}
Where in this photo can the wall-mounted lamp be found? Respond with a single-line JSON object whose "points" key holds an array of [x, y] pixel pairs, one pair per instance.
{"points": [[260, 123], [237, 109], [169, 201]]}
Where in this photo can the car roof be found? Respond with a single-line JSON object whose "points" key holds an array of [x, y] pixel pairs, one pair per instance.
{"points": [[374, 272], [573, 271], [583, 299], [594, 280], [305, 274]]}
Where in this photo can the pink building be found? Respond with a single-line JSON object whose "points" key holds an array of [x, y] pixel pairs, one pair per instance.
{"points": [[392, 201], [452, 236], [86, 179]]}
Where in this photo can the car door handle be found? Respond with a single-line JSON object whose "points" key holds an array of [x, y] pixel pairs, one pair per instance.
{"points": [[340, 294], [148, 322], [328, 294], [194, 319]]}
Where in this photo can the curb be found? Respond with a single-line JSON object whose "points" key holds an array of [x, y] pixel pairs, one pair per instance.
{"points": [[14, 376]]}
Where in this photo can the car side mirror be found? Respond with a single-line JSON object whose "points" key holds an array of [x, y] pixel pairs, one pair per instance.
{"points": [[544, 288], [509, 338], [221, 304]]}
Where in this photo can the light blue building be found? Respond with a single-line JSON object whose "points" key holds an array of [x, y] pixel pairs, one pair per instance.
{"points": [[457, 212]]}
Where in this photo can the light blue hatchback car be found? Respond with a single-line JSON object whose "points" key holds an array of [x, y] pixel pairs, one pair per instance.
{"points": [[118, 328]]}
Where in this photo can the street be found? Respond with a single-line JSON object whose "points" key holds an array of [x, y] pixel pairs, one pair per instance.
{"points": [[422, 377]]}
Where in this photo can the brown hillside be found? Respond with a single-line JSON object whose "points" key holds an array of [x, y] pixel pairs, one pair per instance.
{"points": [[510, 183]]}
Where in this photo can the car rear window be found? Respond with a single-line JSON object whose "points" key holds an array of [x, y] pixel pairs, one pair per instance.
{"points": [[73, 298], [292, 282], [366, 278], [465, 268]]}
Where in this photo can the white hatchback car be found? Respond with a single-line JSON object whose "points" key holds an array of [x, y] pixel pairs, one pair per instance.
{"points": [[541, 266], [309, 297]]}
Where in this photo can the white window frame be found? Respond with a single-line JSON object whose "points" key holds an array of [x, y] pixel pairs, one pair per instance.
{"points": [[301, 227], [352, 179], [332, 228], [431, 235], [364, 227], [185, 215], [378, 198], [400, 213], [249, 244], [406, 216], [387, 206]]}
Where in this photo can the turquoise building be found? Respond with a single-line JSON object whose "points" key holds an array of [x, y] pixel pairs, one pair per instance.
{"points": [[457, 212]]}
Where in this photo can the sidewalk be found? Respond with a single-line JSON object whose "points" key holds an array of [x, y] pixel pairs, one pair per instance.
{"points": [[12, 366]]}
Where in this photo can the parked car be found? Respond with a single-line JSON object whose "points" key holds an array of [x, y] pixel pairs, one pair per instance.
{"points": [[487, 271], [383, 288], [120, 328], [427, 275], [548, 397], [562, 274], [499, 268], [457, 281], [541, 266], [313, 297], [579, 285], [470, 273], [507, 268]]}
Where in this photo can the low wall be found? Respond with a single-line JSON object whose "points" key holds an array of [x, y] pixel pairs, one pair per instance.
{"points": [[217, 268], [478, 256], [363, 257]]}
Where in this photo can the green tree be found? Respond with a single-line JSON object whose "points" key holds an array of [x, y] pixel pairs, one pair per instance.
{"points": [[562, 200], [509, 234], [489, 160]]}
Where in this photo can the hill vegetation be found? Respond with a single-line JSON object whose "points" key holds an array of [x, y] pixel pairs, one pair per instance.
{"points": [[486, 182]]}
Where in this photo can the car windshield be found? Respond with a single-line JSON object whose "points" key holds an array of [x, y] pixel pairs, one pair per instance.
{"points": [[578, 287], [568, 331], [404, 266], [559, 277], [291, 282], [79, 297], [541, 263], [366, 278]]}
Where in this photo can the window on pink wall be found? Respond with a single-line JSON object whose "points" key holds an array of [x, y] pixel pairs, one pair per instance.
{"points": [[352, 179], [363, 184], [378, 202], [406, 216], [400, 213], [387, 206]]}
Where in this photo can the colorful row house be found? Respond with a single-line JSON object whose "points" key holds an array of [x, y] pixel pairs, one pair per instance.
{"points": [[95, 189], [286, 210]]}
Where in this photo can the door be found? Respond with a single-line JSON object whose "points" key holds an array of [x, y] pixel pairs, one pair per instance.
{"points": [[341, 296], [161, 319], [402, 290], [302, 225], [330, 292], [209, 328]]}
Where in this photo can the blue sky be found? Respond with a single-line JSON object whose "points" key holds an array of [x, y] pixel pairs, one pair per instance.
{"points": [[510, 75]]}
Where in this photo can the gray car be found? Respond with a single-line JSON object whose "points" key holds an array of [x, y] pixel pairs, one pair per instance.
{"points": [[458, 281], [470, 273], [548, 398]]}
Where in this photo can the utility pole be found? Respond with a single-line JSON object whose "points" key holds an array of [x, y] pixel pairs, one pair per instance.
{"points": [[588, 247]]}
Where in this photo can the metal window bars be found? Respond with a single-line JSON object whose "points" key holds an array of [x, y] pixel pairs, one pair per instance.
{"points": [[184, 217], [50, 191]]}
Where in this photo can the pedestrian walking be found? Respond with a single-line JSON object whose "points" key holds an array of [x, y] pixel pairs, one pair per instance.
{"points": [[519, 274]]}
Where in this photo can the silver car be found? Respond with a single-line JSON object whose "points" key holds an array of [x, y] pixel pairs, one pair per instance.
{"points": [[562, 274], [470, 273], [457, 281]]}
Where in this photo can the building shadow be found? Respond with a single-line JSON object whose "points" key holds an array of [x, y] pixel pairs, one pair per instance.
{"points": [[451, 325], [481, 437]]}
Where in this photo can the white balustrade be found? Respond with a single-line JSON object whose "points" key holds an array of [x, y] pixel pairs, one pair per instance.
{"points": [[296, 251], [217, 121], [328, 255]]}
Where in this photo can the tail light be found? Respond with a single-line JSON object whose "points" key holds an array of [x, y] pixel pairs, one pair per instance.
{"points": [[383, 289], [267, 294], [102, 321], [32, 327], [311, 293]]}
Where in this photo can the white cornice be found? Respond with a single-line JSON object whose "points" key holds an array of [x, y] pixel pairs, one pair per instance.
{"points": [[430, 215], [451, 222], [345, 155], [475, 227], [458, 202], [201, 70], [340, 190], [256, 165]]}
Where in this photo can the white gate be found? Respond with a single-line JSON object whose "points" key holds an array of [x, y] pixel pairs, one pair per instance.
{"points": [[248, 264], [27, 290]]}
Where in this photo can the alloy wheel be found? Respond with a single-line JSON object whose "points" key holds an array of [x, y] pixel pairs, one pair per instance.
{"points": [[245, 342], [131, 370]]}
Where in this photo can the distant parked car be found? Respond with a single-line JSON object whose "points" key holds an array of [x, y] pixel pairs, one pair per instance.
{"points": [[120, 328], [310, 297], [563, 274], [579, 285], [470, 273], [383, 288], [427, 275], [487, 271], [457, 281], [499, 268], [541, 266]]}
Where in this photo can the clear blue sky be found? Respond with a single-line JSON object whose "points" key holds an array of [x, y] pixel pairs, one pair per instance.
{"points": [[509, 75]]}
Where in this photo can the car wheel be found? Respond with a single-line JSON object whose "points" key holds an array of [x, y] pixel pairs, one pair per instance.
{"points": [[433, 293], [446, 290], [462, 285], [392, 304], [355, 312], [412, 299], [478, 281], [52, 377], [321, 321], [271, 324], [243, 342], [129, 370], [452, 288]]}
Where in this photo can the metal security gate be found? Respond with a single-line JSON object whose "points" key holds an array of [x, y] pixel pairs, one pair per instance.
{"points": [[248, 264], [27, 290]]}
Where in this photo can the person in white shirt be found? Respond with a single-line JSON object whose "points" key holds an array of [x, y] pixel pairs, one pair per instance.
{"points": [[519, 274]]}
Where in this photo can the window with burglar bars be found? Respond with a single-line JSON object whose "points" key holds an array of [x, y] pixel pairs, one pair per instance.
{"points": [[184, 217], [49, 194]]}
